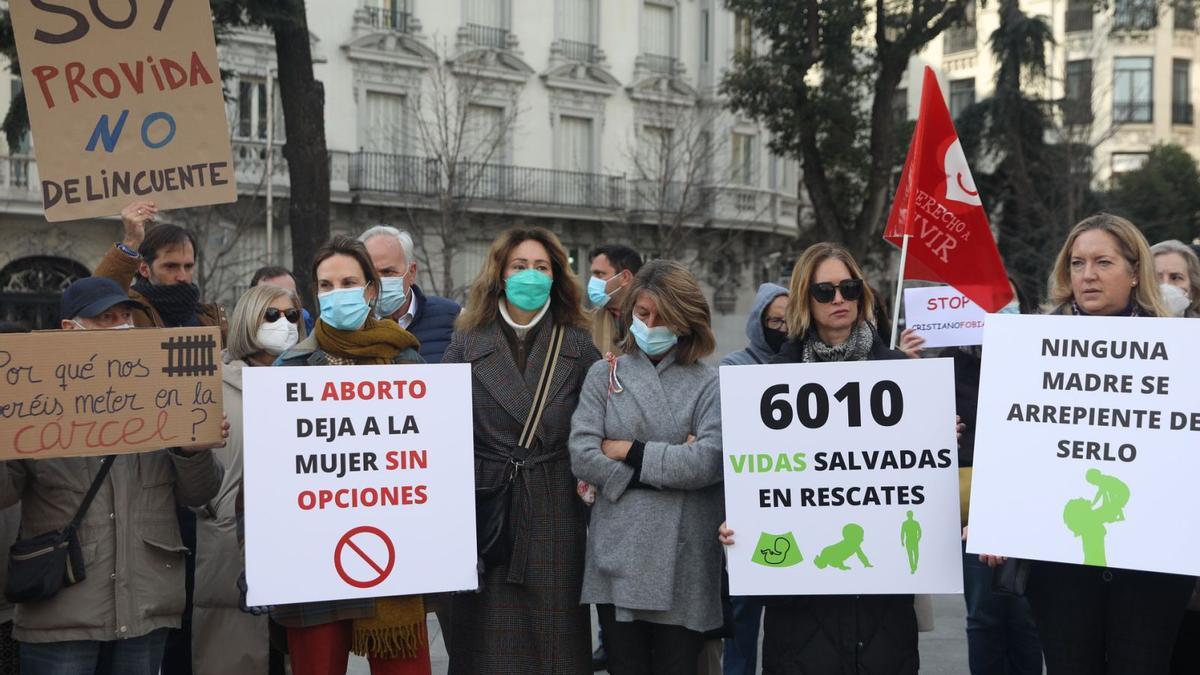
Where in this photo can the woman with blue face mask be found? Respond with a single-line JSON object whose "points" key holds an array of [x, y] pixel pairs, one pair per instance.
{"points": [[390, 632], [647, 435], [526, 618]]}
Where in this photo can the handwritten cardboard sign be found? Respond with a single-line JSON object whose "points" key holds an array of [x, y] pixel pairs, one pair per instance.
{"points": [[75, 393], [125, 103]]}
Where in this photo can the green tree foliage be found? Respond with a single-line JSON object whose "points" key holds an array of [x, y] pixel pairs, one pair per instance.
{"points": [[1162, 197], [1033, 188], [824, 87]]}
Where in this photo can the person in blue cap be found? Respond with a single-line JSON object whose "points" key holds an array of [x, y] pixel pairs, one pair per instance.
{"points": [[117, 618]]}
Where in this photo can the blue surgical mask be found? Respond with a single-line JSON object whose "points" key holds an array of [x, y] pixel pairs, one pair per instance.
{"points": [[528, 289], [598, 292], [391, 296], [654, 341], [344, 308], [1013, 307]]}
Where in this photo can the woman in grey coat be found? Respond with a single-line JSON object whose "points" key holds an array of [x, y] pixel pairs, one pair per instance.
{"points": [[647, 435]]}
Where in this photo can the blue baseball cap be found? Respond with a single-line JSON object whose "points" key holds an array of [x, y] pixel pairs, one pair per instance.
{"points": [[93, 296]]}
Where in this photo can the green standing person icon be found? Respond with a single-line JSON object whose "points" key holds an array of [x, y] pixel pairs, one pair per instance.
{"points": [[1087, 518], [836, 555], [910, 539], [777, 550]]}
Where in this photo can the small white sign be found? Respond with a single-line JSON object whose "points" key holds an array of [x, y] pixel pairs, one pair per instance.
{"points": [[1086, 442], [943, 316], [360, 482], [842, 478]]}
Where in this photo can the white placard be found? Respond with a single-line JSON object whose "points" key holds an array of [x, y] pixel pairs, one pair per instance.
{"points": [[943, 316], [1086, 442], [359, 482], [842, 478]]}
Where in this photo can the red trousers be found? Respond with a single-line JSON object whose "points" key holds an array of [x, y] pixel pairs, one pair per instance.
{"points": [[325, 650]]}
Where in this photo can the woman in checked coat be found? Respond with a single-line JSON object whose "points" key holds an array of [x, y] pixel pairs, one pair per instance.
{"points": [[526, 619]]}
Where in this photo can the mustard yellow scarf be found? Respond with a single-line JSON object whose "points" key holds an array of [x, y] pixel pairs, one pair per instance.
{"points": [[376, 343]]}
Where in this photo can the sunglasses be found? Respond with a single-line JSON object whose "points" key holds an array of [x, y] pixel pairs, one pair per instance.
{"points": [[852, 289], [272, 315]]}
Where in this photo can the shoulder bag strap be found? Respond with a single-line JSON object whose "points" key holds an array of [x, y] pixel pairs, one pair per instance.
{"points": [[105, 464], [542, 394]]}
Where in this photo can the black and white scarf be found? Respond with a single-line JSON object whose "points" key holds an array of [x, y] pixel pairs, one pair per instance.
{"points": [[855, 348]]}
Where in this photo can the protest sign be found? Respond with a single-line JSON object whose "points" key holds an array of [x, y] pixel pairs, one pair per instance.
{"points": [[943, 316], [842, 478], [360, 482], [125, 103], [1085, 444], [75, 393]]}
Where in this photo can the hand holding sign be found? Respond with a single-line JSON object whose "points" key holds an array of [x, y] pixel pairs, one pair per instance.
{"points": [[134, 217]]}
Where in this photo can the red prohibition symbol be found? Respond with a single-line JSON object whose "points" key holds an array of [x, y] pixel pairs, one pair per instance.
{"points": [[346, 546]]}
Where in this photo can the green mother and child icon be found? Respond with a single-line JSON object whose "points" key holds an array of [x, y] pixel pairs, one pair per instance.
{"points": [[780, 550], [1087, 518]]}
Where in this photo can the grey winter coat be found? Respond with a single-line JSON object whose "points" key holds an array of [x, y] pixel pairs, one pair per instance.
{"points": [[225, 640], [130, 539], [652, 548], [757, 352]]}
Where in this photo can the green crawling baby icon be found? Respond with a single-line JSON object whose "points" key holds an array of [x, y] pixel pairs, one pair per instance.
{"points": [[836, 555], [1087, 518]]}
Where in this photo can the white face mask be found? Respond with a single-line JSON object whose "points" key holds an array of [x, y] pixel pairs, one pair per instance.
{"points": [[1176, 300], [278, 336]]}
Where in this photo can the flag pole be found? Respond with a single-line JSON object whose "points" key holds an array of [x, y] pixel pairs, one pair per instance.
{"points": [[911, 196], [899, 288]]}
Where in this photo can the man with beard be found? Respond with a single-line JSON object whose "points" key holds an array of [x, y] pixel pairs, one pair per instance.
{"points": [[157, 269]]}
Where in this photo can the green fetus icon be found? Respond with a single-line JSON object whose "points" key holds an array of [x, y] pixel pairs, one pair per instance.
{"points": [[777, 550], [836, 555]]}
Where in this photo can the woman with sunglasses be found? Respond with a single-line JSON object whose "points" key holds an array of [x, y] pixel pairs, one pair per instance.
{"points": [[390, 632], [225, 640], [831, 318]]}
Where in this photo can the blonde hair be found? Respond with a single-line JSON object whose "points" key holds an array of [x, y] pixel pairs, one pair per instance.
{"points": [[1193, 269], [483, 300], [681, 306], [799, 312], [1132, 247], [248, 316]]}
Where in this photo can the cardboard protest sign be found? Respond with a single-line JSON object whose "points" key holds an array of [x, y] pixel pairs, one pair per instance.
{"points": [[943, 316], [374, 465], [125, 103], [842, 478], [1085, 445], [75, 393]]}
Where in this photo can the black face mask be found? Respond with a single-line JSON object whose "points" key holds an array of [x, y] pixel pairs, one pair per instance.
{"points": [[775, 338]]}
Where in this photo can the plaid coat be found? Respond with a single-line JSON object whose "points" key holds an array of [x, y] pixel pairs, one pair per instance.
{"points": [[527, 618]]}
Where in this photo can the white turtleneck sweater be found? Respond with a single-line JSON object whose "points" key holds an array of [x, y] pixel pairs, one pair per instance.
{"points": [[522, 330]]}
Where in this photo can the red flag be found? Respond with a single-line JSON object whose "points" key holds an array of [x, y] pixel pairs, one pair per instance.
{"points": [[938, 206]]}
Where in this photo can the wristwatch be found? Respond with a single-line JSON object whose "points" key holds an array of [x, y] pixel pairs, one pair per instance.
{"points": [[126, 250]]}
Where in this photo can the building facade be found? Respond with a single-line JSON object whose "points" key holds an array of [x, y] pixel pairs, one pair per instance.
{"points": [[600, 119], [1123, 75]]}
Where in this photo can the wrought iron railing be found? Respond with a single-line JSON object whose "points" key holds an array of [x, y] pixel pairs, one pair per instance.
{"points": [[394, 18], [426, 177], [1181, 112], [1139, 111], [488, 36], [657, 63], [584, 52]]}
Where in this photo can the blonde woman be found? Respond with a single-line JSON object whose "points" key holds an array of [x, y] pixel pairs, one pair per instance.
{"points": [[1176, 264], [226, 641], [647, 435], [1099, 620], [526, 619], [831, 319]]}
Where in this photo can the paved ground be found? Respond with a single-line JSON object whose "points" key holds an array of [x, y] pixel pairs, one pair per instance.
{"points": [[943, 652]]}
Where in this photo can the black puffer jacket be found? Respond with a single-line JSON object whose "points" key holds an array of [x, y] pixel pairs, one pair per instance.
{"points": [[840, 634]]}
